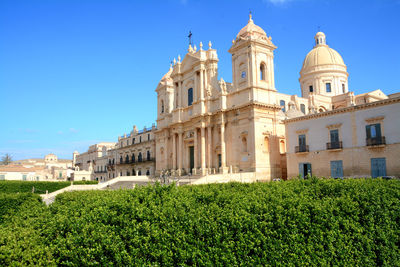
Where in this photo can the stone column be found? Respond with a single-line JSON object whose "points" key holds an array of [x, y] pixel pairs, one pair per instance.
{"points": [[196, 151], [203, 151], [209, 146], [180, 150], [201, 85], [196, 87], [223, 156], [174, 151]]}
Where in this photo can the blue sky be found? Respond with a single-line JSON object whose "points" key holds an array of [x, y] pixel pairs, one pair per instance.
{"points": [[77, 72]]}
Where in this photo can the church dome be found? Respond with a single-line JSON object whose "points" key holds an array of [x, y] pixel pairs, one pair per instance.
{"points": [[251, 29], [322, 54]]}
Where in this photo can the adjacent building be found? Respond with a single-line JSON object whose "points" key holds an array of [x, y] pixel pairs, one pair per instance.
{"points": [[48, 168]]}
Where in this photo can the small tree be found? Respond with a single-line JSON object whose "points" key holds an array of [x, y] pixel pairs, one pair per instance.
{"points": [[6, 159]]}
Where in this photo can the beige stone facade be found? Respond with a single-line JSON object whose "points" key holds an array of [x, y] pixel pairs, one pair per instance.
{"points": [[356, 151]]}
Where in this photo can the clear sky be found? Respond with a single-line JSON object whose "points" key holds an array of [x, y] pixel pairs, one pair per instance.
{"points": [[77, 72]]}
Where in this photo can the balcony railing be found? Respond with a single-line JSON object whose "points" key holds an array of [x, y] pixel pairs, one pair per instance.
{"points": [[303, 148], [334, 145], [137, 161], [376, 141], [100, 171]]}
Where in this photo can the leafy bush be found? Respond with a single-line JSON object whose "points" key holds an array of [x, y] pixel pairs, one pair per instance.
{"points": [[11, 203], [299, 222], [26, 186]]}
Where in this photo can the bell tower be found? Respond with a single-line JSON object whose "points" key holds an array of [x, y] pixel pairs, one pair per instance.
{"points": [[252, 58]]}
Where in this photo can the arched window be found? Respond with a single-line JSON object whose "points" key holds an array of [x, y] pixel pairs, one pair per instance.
{"points": [[266, 144], [133, 172], [190, 96], [133, 158], [303, 108], [262, 72], [282, 147], [140, 157], [127, 159], [162, 106], [120, 159], [147, 172], [244, 144], [140, 172], [282, 104], [140, 139], [128, 173], [148, 155]]}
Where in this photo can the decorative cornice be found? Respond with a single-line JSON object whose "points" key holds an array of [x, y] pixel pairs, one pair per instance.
{"points": [[345, 110]]}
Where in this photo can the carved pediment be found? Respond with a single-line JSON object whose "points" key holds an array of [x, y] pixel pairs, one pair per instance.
{"points": [[375, 119], [333, 126], [302, 131]]}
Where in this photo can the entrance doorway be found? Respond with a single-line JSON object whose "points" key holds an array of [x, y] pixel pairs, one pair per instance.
{"points": [[378, 167], [305, 169], [191, 158], [337, 169]]}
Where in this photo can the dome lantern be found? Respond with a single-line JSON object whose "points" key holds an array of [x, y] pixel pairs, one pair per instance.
{"points": [[320, 39]]}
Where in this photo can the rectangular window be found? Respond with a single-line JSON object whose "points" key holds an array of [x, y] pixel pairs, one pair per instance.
{"points": [[334, 136], [328, 87], [282, 104], [2, 177], [133, 140], [243, 74], [302, 140], [60, 175], [148, 137], [190, 97], [311, 89], [373, 130], [303, 108], [343, 88], [24, 177]]}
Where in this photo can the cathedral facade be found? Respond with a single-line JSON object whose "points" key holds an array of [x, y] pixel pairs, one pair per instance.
{"points": [[208, 126]]}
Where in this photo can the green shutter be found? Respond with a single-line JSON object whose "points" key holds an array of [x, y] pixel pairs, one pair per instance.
{"points": [[368, 130], [378, 130]]}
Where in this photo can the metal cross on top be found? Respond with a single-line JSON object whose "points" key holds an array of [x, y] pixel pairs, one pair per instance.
{"points": [[190, 37]]}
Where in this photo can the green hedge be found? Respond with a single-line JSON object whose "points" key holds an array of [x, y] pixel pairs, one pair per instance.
{"points": [[295, 223], [26, 186], [12, 203], [86, 182], [40, 187]]}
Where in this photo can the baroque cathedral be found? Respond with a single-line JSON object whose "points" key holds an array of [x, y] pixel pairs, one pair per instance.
{"points": [[207, 126]]}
